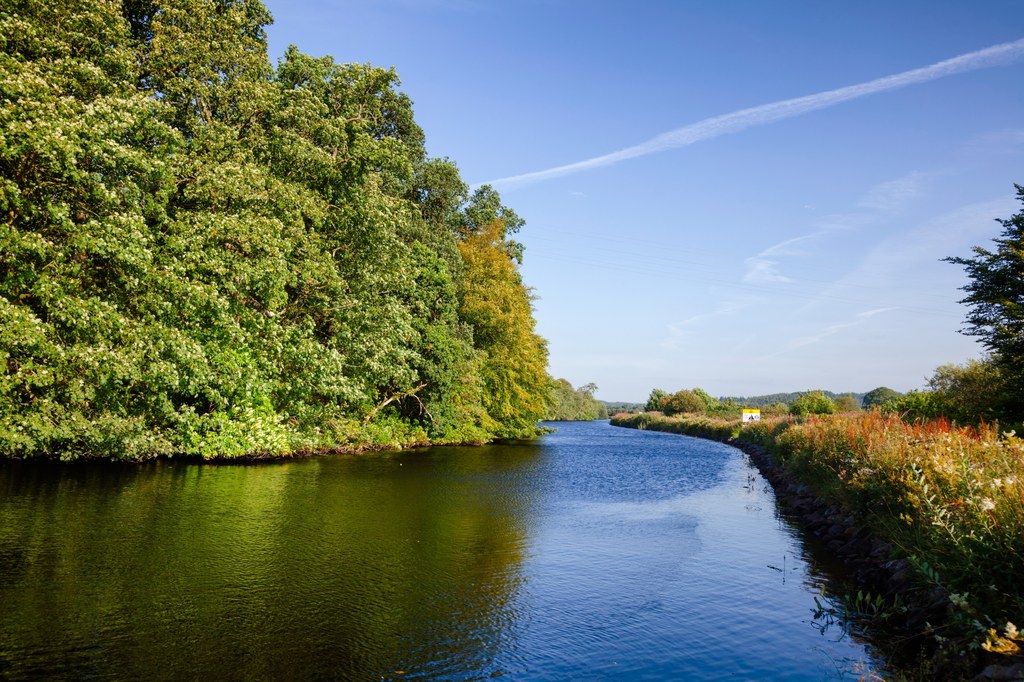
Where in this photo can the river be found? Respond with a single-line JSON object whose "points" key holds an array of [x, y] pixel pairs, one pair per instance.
{"points": [[594, 553]]}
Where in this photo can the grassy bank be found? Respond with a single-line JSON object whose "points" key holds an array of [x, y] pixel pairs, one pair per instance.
{"points": [[949, 500], [714, 428]]}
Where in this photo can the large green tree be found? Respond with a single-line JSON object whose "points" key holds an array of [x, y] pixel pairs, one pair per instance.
{"points": [[995, 294]]}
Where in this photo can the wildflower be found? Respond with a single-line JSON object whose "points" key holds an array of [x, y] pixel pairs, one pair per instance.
{"points": [[987, 504], [959, 600]]}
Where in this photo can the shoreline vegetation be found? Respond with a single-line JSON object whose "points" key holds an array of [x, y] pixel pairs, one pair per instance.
{"points": [[928, 516]]}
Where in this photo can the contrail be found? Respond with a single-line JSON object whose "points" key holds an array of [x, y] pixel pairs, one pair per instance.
{"points": [[736, 121]]}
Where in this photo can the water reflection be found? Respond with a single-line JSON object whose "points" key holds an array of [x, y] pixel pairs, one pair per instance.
{"points": [[344, 567], [597, 553]]}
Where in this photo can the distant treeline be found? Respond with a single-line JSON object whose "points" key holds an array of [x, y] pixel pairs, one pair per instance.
{"points": [[774, 401], [566, 403], [699, 401], [616, 407], [785, 398]]}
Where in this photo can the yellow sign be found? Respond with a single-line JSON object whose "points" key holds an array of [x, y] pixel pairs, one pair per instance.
{"points": [[751, 415]]}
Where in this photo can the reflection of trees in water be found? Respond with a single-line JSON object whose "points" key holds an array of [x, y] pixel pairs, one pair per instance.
{"points": [[326, 567]]}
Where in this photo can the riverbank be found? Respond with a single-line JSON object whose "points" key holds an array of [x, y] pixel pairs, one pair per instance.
{"points": [[928, 518], [340, 438]]}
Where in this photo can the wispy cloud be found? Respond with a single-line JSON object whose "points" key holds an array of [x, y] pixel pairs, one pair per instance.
{"points": [[893, 195], [901, 269], [831, 330], [996, 143], [736, 121], [764, 266], [679, 332]]}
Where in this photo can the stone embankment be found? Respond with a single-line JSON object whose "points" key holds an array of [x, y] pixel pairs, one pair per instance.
{"points": [[866, 557]]}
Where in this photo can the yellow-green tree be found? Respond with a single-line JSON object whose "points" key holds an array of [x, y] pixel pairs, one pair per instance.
{"points": [[496, 305]]}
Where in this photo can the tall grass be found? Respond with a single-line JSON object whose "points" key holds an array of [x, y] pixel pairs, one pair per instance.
{"points": [[950, 499]]}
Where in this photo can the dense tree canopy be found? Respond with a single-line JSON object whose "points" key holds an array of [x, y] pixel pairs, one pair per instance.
{"points": [[202, 254]]}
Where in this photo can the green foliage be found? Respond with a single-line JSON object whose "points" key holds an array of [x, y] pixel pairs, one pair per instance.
{"points": [[812, 402], [497, 307], [203, 255], [699, 426], [84, 174], [774, 410], [972, 392], [878, 396], [692, 401], [566, 403], [710, 403], [967, 394], [726, 408], [614, 407], [916, 406], [761, 401], [485, 208], [684, 402], [847, 403], [995, 294], [656, 401]]}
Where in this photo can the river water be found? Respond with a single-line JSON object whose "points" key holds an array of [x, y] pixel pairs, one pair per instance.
{"points": [[595, 553]]}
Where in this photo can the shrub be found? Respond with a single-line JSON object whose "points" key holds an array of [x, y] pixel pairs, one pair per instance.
{"points": [[812, 402], [683, 402], [656, 400], [916, 406]]}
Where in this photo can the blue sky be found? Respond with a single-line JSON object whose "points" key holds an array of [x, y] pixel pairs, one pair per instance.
{"points": [[781, 248]]}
